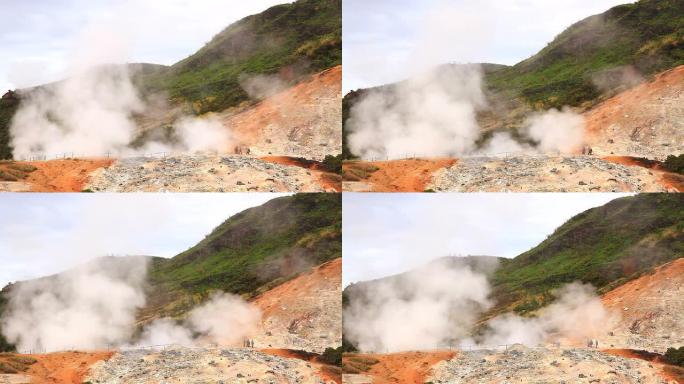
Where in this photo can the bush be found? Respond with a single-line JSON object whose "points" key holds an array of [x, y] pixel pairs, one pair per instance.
{"points": [[675, 356], [332, 356], [333, 163], [675, 164]]}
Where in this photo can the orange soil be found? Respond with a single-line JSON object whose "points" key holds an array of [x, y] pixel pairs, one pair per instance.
{"points": [[328, 180], [273, 300], [669, 180], [626, 105], [627, 295], [64, 367], [63, 175], [408, 175], [327, 372], [247, 126], [668, 372], [403, 367]]}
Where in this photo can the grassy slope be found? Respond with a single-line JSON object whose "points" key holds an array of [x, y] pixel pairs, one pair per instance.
{"points": [[648, 35], [605, 246], [249, 253], [292, 40], [301, 38]]}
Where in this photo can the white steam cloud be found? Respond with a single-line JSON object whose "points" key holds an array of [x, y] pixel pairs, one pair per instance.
{"points": [[92, 112], [94, 307], [434, 115], [439, 306], [429, 115], [260, 86], [89, 307], [555, 130], [423, 309], [225, 319]]}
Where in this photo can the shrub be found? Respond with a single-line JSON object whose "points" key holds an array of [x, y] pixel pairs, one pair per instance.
{"points": [[332, 356], [675, 164], [675, 356]]}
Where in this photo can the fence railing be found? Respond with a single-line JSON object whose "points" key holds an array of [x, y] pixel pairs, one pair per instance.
{"points": [[414, 156], [107, 155]]}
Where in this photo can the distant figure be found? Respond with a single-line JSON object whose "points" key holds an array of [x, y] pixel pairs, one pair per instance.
{"points": [[590, 344], [596, 344]]}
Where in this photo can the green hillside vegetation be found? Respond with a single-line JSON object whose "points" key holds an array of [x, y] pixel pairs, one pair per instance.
{"points": [[252, 251], [247, 254], [289, 40], [605, 246], [647, 36]]}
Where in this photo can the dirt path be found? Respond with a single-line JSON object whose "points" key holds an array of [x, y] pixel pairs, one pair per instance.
{"points": [[326, 371], [403, 368], [64, 367], [63, 175], [409, 175]]}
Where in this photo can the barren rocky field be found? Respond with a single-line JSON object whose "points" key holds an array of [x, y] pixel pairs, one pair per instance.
{"points": [[544, 365], [203, 173], [651, 309], [304, 313], [202, 365], [302, 121], [545, 174], [645, 121]]}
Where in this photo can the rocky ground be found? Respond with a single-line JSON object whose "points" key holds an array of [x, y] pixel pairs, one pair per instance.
{"points": [[645, 121], [202, 173], [541, 173], [520, 364], [651, 309], [202, 365], [302, 121], [304, 313]]}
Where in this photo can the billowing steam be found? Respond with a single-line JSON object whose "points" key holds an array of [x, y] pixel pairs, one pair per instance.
{"points": [[225, 320], [430, 115], [423, 309], [260, 86], [94, 306], [92, 112], [434, 115], [89, 307], [438, 306]]}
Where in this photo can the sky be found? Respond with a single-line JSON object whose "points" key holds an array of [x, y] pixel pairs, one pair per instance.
{"points": [[42, 234], [389, 233], [388, 40], [40, 37]]}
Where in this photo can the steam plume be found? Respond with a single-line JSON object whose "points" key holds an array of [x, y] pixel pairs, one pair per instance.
{"points": [[225, 319], [434, 115], [438, 306], [89, 307], [91, 112]]}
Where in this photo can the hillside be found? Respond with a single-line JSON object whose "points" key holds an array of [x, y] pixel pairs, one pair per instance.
{"points": [[605, 246], [250, 253], [290, 41], [591, 60]]}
